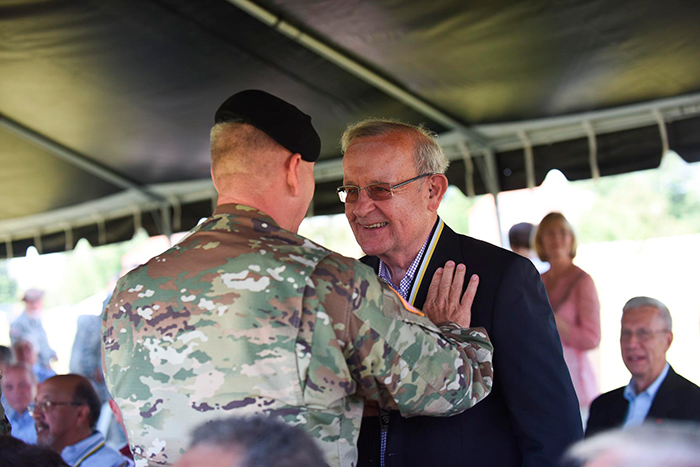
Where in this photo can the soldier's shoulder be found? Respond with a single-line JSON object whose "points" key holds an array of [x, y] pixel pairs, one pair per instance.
{"points": [[347, 266]]}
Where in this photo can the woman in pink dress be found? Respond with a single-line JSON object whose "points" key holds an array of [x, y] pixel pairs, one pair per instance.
{"points": [[574, 300]]}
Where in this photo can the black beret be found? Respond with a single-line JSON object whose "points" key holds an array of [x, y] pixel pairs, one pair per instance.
{"points": [[283, 122]]}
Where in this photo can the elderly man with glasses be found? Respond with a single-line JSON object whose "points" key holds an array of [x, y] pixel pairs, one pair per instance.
{"points": [[65, 413], [394, 181], [655, 392]]}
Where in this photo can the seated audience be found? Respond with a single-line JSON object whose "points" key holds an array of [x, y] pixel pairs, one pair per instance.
{"points": [[65, 413], [24, 351], [16, 453], [655, 392], [18, 390], [667, 444], [574, 300], [251, 442]]}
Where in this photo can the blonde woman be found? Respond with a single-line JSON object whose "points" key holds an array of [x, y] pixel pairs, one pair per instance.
{"points": [[574, 300]]}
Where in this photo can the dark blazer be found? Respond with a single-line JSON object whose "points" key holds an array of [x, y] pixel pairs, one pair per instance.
{"points": [[676, 399], [532, 414]]}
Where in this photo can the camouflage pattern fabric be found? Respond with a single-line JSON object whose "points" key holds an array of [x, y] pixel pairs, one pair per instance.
{"points": [[243, 317], [5, 428]]}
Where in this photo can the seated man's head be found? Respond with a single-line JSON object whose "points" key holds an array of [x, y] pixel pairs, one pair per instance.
{"points": [[393, 182], [66, 411], [18, 386], [645, 337], [251, 442], [25, 351], [520, 238], [17, 453], [34, 300], [668, 443]]}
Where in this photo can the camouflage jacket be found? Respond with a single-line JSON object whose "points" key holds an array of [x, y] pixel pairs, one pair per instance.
{"points": [[5, 428], [243, 317]]}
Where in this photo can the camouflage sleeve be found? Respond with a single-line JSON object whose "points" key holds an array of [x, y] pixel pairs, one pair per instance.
{"points": [[395, 351], [5, 428]]}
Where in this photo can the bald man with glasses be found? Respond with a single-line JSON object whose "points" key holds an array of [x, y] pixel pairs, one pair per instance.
{"points": [[655, 392], [65, 414]]}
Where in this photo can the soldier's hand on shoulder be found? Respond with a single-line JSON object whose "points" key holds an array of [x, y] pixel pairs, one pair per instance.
{"points": [[445, 301]]}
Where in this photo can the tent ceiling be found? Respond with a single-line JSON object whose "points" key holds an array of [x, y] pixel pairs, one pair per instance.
{"points": [[105, 107]]}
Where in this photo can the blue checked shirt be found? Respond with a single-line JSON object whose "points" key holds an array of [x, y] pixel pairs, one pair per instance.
{"points": [[405, 286]]}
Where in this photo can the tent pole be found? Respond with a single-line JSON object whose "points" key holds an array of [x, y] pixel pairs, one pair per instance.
{"points": [[75, 159], [493, 186]]}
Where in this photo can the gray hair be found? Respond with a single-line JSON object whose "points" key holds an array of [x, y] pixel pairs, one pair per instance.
{"points": [[638, 302], [263, 441], [427, 153], [671, 444]]}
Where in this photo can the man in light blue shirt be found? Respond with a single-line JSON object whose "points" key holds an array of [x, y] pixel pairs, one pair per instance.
{"points": [[65, 413], [640, 402], [655, 392], [18, 391]]}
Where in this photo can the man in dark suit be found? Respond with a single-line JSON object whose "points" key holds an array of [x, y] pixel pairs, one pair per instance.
{"points": [[655, 392], [393, 184]]}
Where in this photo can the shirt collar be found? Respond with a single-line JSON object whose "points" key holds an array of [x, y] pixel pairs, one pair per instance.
{"points": [[405, 286], [13, 414], [630, 392], [73, 453]]}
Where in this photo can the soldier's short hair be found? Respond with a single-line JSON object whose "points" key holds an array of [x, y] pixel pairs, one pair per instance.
{"points": [[261, 440]]}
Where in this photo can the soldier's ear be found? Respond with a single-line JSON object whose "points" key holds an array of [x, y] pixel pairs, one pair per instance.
{"points": [[292, 169], [437, 186]]}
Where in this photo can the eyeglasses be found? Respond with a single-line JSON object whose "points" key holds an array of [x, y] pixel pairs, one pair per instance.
{"points": [[46, 405], [642, 335], [376, 191]]}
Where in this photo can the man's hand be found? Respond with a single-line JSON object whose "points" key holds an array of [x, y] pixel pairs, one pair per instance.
{"points": [[444, 303]]}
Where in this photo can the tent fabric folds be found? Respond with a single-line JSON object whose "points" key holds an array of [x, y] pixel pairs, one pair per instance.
{"points": [[106, 107]]}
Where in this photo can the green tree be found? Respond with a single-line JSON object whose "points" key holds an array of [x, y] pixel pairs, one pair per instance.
{"points": [[652, 203], [8, 285]]}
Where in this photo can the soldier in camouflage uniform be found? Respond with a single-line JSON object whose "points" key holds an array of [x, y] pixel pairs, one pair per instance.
{"points": [[244, 316]]}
